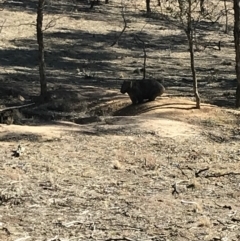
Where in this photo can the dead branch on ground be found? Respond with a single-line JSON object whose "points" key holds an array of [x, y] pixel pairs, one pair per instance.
{"points": [[200, 171], [15, 107], [222, 174], [120, 239], [224, 206]]}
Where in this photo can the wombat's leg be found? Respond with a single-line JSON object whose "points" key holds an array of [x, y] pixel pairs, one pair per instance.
{"points": [[133, 98], [140, 100], [152, 98]]}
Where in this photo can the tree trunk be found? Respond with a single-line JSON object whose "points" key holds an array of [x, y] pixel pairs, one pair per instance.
{"points": [[195, 82], [237, 49], [226, 16], [148, 6], [202, 8], [189, 33], [41, 61]]}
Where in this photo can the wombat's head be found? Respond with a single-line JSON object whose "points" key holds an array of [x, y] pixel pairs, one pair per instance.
{"points": [[126, 86]]}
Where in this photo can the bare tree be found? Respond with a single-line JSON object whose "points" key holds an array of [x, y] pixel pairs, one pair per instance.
{"points": [[189, 32], [41, 59], [186, 10], [237, 48]]}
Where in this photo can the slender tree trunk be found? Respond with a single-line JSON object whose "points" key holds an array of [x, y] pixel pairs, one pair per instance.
{"points": [[195, 82], [202, 8], [41, 60], [237, 49], [189, 33], [148, 6], [226, 16]]}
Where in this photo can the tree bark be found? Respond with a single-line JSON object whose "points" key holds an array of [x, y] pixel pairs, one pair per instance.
{"points": [[237, 49], [41, 60]]}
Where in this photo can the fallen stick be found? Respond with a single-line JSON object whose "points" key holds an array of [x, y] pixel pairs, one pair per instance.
{"points": [[15, 107]]}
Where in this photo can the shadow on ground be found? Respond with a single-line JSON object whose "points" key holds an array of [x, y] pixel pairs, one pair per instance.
{"points": [[78, 60]]}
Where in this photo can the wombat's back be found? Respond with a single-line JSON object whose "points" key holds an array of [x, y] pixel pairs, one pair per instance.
{"points": [[151, 89], [140, 90]]}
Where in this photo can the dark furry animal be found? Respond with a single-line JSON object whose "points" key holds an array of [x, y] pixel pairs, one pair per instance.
{"points": [[142, 90], [96, 2]]}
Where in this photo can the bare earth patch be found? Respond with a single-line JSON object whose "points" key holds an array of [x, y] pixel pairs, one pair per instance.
{"points": [[125, 177]]}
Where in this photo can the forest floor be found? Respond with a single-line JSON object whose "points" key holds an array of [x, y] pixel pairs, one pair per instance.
{"points": [[95, 167]]}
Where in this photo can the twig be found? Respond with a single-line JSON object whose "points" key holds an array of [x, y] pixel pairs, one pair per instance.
{"points": [[221, 222], [18, 25], [125, 26], [118, 239], [222, 175], [15, 107], [22, 239], [174, 186], [2, 25], [200, 171], [235, 219], [70, 224], [197, 206], [189, 202], [51, 23], [144, 56], [183, 173], [54, 239], [129, 227], [223, 206], [77, 238]]}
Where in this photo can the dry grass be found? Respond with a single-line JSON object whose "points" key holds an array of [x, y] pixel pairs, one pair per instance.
{"points": [[113, 177], [115, 184]]}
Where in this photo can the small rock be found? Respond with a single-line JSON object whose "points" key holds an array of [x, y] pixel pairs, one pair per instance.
{"points": [[21, 98]]}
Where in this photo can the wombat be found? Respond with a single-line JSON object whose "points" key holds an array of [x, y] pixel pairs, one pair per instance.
{"points": [[142, 90]]}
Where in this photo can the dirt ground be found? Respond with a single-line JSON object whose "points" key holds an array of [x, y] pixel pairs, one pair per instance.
{"points": [[94, 167]]}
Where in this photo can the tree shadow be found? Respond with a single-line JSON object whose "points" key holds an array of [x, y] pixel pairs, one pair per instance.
{"points": [[17, 137], [77, 59]]}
